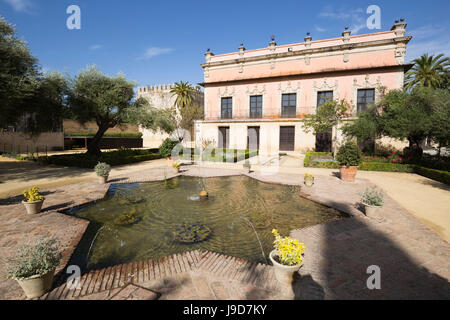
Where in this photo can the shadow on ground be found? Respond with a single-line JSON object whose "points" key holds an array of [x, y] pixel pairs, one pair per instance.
{"points": [[350, 246]]}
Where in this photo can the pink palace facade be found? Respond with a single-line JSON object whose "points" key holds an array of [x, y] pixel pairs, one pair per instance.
{"points": [[256, 99]]}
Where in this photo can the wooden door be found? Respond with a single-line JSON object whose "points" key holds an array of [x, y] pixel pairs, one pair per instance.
{"points": [[287, 138]]}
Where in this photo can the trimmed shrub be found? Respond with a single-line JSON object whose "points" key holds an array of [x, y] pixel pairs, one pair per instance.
{"points": [[317, 163], [388, 167], [438, 175], [167, 146], [112, 135], [349, 154], [228, 155], [114, 158]]}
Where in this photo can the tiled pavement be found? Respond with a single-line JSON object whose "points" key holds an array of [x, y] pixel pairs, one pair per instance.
{"points": [[414, 261]]}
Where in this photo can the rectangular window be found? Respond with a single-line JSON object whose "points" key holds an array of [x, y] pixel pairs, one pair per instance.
{"points": [[366, 97], [227, 108], [323, 96], [288, 105], [255, 106]]}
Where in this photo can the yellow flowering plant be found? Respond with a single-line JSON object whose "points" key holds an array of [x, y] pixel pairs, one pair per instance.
{"points": [[290, 251], [32, 194], [176, 164]]}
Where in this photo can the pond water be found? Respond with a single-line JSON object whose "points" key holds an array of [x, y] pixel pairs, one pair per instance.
{"points": [[240, 214]]}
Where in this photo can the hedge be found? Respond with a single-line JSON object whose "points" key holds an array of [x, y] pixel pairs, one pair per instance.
{"points": [[387, 167], [223, 155], [112, 158], [319, 164], [106, 135], [438, 175]]}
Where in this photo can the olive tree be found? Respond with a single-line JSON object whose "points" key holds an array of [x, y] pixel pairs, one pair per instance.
{"points": [[109, 101], [327, 116]]}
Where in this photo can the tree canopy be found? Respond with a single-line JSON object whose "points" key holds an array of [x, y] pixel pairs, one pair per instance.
{"points": [[327, 115], [18, 72], [429, 71], [412, 115], [187, 106], [109, 101]]}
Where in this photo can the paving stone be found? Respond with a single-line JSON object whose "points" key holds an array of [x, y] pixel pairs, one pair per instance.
{"points": [[414, 260]]}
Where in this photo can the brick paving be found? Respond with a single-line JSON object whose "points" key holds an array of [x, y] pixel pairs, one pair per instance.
{"points": [[414, 260], [193, 275]]}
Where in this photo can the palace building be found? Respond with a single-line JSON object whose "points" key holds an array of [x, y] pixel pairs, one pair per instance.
{"points": [[257, 99]]}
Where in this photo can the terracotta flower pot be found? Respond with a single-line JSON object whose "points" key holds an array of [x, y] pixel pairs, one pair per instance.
{"points": [[348, 173], [36, 286], [371, 211], [103, 179], [283, 273], [33, 207]]}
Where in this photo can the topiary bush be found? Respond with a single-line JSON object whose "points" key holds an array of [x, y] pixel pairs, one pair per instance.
{"points": [[349, 155], [167, 146]]}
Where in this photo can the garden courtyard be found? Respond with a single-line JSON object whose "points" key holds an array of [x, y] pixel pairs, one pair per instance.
{"points": [[407, 239]]}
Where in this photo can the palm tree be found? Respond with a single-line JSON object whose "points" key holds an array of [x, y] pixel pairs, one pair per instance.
{"points": [[429, 71], [185, 94], [187, 104]]}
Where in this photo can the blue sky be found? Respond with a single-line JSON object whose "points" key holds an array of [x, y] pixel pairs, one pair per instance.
{"points": [[160, 42]]}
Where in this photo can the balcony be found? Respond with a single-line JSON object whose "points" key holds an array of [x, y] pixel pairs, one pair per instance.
{"points": [[226, 115]]}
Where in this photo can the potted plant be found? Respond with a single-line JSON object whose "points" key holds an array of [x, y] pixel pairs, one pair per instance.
{"points": [[287, 257], [176, 165], [372, 199], [102, 170], [33, 266], [309, 179], [247, 166], [34, 200], [349, 158]]}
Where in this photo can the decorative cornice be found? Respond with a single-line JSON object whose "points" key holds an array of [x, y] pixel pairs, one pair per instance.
{"points": [[309, 51]]}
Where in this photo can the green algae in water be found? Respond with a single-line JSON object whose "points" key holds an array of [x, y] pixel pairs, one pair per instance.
{"points": [[160, 208]]}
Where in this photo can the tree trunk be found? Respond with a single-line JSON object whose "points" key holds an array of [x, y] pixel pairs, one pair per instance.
{"points": [[93, 146]]}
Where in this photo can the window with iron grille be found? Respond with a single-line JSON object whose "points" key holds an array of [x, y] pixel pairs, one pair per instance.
{"points": [[366, 97], [227, 108], [288, 105], [323, 96], [255, 106]]}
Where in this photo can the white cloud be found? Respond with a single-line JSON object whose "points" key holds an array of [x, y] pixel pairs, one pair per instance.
{"points": [[356, 28], [434, 47], [354, 17], [341, 14], [429, 39], [95, 47], [426, 31], [20, 5], [155, 51], [319, 29]]}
